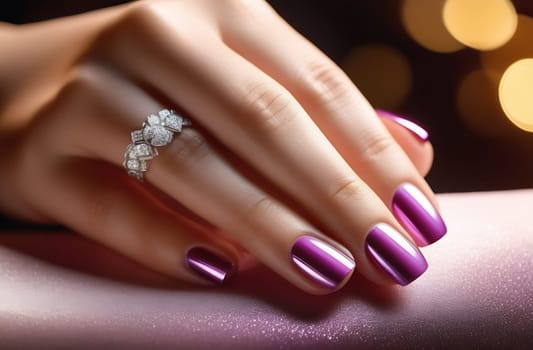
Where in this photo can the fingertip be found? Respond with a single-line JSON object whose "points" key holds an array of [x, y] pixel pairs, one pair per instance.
{"points": [[210, 266], [395, 255], [327, 268], [424, 161]]}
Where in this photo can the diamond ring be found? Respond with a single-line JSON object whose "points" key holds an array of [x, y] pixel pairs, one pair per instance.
{"points": [[156, 131]]}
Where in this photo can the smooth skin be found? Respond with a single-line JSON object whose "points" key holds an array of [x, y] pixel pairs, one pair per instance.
{"points": [[283, 144]]}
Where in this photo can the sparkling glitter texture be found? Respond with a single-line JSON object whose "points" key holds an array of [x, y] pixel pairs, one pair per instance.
{"points": [[478, 293]]}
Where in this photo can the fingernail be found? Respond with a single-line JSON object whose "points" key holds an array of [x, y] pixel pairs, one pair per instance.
{"points": [[394, 254], [208, 265], [321, 262], [417, 215], [413, 127]]}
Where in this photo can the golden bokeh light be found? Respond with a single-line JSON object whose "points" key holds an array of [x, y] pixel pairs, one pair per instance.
{"points": [[381, 72], [520, 46], [424, 22], [477, 102], [516, 93], [480, 24]]}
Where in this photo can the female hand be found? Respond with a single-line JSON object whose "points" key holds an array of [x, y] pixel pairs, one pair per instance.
{"points": [[284, 157]]}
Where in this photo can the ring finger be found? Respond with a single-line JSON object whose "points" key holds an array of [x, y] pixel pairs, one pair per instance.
{"points": [[195, 173]]}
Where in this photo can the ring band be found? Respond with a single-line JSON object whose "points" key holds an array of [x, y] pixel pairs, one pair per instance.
{"points": [[156, 131]]}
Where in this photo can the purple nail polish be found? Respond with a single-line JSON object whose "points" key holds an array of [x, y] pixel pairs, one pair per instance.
{"points": [[208, 265], [417, 215], [394, 254], [324, 264], [413, 127]]}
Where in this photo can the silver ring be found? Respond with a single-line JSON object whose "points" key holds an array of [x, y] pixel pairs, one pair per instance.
{"points": [[156, 131]]}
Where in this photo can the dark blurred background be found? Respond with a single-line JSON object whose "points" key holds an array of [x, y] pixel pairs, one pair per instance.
{"points": [[476, 147]]}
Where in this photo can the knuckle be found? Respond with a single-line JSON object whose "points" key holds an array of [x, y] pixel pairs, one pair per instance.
{"points": [[84, 84], [84, 79], [247, 8], [259, 208], [60, 115], [324, 82], [131, 22], [376, 147], [140, 14], [188, 148], [346, 189], [268, 107], [140, 26]]}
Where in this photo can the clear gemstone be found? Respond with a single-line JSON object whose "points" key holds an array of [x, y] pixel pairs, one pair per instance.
{"points": [[137, 136], [133, 164], [148, 132], [157, 135], [141, 151], [164, 113], [174, 122], [153, 120]]}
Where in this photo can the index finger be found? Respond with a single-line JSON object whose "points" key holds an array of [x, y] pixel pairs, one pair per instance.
{"points": [[342, 114]]}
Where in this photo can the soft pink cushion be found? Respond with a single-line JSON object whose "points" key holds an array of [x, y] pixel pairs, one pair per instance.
{"points": [[63, 291]]}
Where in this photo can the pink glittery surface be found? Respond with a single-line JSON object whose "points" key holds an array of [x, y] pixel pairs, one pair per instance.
{"points": [[62, 291]]}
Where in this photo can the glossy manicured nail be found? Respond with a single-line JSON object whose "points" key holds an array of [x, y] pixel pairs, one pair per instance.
{"points": [[208, 265], [321, 262], [394, 254], [413, 127], [417, 215]]}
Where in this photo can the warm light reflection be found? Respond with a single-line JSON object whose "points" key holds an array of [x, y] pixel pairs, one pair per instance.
{"points": [[477, 102], [516, 93], [480, 24], [382, 73], [520, 46], [424, 22]]}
